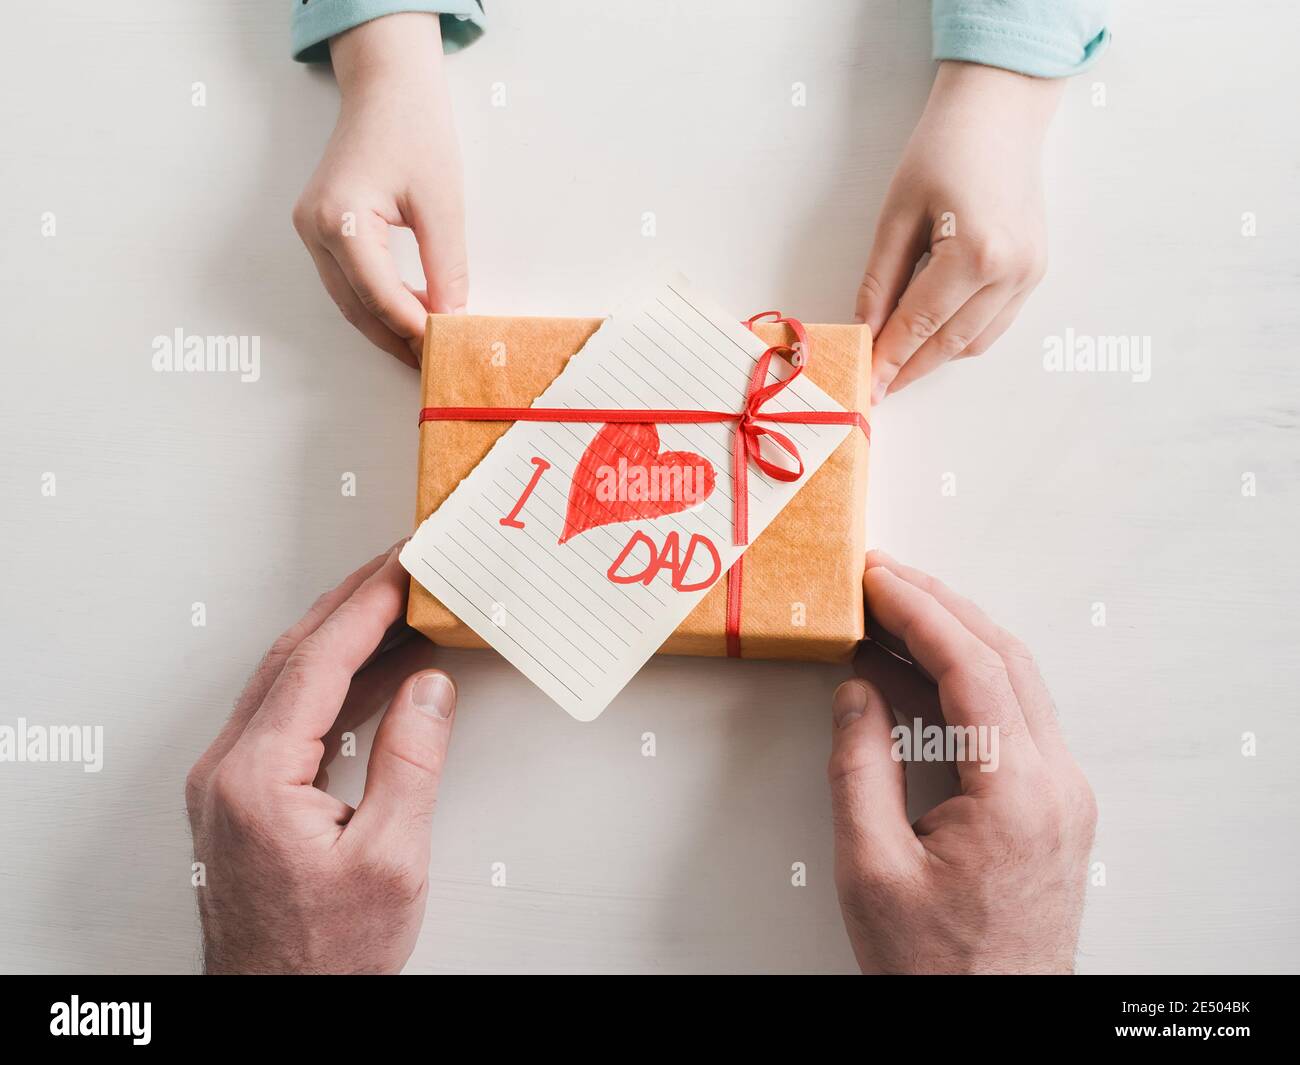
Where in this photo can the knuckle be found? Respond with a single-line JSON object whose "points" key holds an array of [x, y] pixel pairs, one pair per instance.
{"points": [[1039, 826], [348, 616], [921, 325], [299, 667], [1085, 806], [1058, 809], [426, 759], [996, 257], [314, 654], [1011, 646], [988, 672], [397, 880], [924, 628], [320, 606], [456, 275], [195, 787], [932, 584], [226, 787], [372, 300], [301, 216], [325, 217], [846, 762], [282, 648], [351, 312], [233, 798], [871, 287], [951, 343], [982, 683]]}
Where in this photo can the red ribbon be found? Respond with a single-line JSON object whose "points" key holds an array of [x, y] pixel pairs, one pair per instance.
{"points": [[748, 439]]}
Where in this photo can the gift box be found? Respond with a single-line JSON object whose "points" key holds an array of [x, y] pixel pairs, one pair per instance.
{"points": [[802, 577]]}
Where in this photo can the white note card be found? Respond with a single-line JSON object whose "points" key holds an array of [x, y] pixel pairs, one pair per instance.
{"points": [[576, 548]]}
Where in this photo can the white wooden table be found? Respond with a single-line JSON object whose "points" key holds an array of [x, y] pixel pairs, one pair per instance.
{"points": [[1071, 489]]}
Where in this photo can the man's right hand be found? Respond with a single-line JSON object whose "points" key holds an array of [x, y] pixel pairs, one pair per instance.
{"points": [[993, 879], [392, 160]]}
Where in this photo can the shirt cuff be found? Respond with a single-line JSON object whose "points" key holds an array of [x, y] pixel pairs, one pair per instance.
{"points": [[1042, 48], [316, 21]]}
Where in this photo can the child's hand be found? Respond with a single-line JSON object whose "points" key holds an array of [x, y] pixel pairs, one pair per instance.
{"points": [[392, 160], [969, 191]]}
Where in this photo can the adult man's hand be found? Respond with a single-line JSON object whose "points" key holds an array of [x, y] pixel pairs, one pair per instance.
{"points": [[296, 880], [993, 879]]}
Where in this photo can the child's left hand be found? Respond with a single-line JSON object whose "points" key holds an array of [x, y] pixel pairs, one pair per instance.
{"points": [[969, 191]]}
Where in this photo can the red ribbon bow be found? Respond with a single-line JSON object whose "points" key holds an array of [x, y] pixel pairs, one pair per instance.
{"points": [[748, 440]]}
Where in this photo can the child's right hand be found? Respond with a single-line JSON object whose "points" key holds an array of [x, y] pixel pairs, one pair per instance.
{"points": [[392, 160]]}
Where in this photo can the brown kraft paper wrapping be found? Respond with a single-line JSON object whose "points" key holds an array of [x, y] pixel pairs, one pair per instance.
{"points": [[802, 576]]}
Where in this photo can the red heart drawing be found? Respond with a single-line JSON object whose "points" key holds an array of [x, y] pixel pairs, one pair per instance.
{"points": [[623, 476]]}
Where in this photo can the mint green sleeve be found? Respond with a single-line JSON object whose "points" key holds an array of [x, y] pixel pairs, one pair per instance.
{"points": [[1044, 38], [316, 21]]}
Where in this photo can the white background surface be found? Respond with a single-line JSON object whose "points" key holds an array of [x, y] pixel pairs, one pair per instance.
{"points": [[1071, 489]]}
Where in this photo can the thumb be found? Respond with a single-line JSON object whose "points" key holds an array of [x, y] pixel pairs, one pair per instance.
{"points": [[440, 232], [406, 760], [868, 786]]}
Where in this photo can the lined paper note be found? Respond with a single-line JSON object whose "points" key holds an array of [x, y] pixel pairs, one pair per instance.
{"points": [[525, 559]]}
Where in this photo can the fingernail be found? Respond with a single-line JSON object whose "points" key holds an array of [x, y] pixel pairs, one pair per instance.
{"points": [[849, 704], [459, 310], [877, 393], [859, 319], [434, 694]]}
